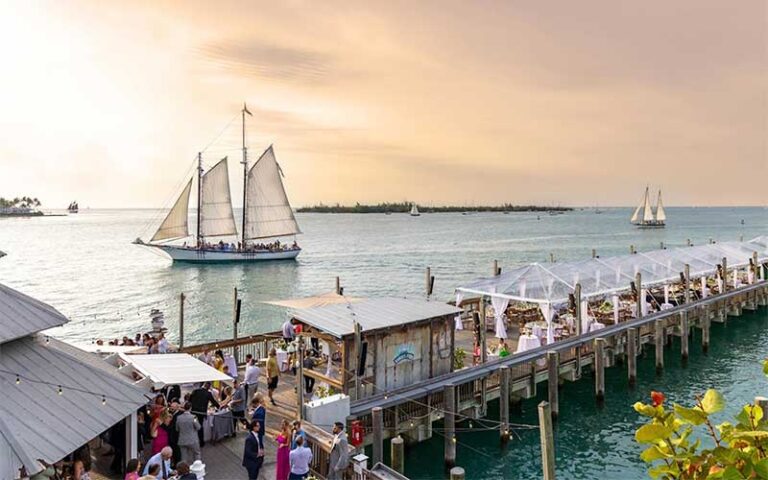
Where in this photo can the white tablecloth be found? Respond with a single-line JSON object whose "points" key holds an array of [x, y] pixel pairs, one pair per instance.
{"points": [[527, 342], [229, 361], [596, 326], [666, 306], [217, 426], [282, 360]]}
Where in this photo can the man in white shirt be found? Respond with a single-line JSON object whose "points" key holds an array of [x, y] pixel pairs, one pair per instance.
{"points": [[163, 458], [162, 344], [251, 380], [300, 459]]}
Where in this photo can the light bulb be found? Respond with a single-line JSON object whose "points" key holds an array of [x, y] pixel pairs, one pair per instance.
{"points": [[103, 400], [18, 380], [61, 392]]}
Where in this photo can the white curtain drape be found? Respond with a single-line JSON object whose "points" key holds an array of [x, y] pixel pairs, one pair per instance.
{"points": [[615, 301], [720, 284], [644, 301], [457, 319], [585, 320], [735, 278], [750, 276], [523, 286], [666, 293], [499, 307], [548, 312], [703, 287]]}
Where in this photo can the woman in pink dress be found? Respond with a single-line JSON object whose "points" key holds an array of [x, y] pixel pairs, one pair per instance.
{"points": [[283, 452], [158, 430]]}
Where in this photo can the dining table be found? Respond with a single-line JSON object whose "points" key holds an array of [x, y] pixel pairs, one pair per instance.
{"points": [[527, 342]]}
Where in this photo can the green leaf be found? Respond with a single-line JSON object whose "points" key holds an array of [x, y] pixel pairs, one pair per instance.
{"points": [[694, 416], [652, 432], [761, 468], [725, 455], [750, 434], [662, 469], [765, 367], [712, 402], [654, 453], [731, 473], [643, 409]]}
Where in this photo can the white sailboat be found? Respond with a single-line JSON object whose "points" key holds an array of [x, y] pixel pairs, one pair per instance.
{"points": [[649, 219], [267, 214], [414, 210]]}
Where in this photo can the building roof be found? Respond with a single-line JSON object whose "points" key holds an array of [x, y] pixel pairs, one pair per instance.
{"points": [[173, 369], [371, 314], [22, 315], [328, 298], [38, 423]]}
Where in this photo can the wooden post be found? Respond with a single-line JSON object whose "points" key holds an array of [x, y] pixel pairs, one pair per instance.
{"points": [[599, 364], [495, 270], [457, 473], [553, 380], [300, 380], [358, 347], [687, 285], [684, 335], [449, 396], [661, 245], [631, 249], [532, 378], [483, 332], [659, 338], [640, 299], [428, 282], [705, 323], [725, 277], [594, 253], [181, 320], [577, 297], [236, 349], [551, 257], [338, 286], [504, 402], [632, 355], [547, 442], [377, 416], [397, 454], [689, 243]]}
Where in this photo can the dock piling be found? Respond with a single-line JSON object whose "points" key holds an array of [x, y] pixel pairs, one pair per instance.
{"points": [[338, 286], [705, 323], [687, 284], [547, 442], [457, 473], [632, 356], [449, 394], [377, 415], [640, 299], [599, 366], [659, 342], [181, 320], [553, 379], [504, 402], [684, 332], [397, 446], [594, 253], [495, 268]]}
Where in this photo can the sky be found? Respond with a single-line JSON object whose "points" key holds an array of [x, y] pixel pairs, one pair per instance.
{"points": [[438, 102]]}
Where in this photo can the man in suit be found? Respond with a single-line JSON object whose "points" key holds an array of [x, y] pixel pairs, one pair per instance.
{"points": [[339, 460], [253, 454], [200, 399], [187, 427]]}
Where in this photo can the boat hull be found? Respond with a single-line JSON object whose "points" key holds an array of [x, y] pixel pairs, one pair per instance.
{"points": [[190, 255]]}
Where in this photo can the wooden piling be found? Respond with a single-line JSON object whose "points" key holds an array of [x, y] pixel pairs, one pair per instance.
{"points": [[640, 299], [661, 245], [235, 322], [684, 331], [553, 380], [532, 378], [338, 286], [687, 284], [594, 253], [632, 356], [725, 275], [495, 268], [705, 323], [599, 366], [457, 473], [547, 442], [659, 342], [181, 320], [300, 379], [377, 415], [397, 454], [577, 297], [551, 257], [504, 402], [483, 332], [631, 249], [449, 395], [428, 282]]}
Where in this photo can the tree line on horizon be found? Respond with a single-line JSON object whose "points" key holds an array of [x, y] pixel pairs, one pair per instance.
{"points": [[19, 202], [405, 207]]}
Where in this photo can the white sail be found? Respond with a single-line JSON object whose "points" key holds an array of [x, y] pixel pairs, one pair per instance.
{"points": [[268, 212], [175, 223], [216, 217], [647, 210], [661, 216], [414, 210], [636, 215]]}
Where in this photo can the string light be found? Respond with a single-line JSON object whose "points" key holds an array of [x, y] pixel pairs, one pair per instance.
{"points": [[18, 380], [103, 400], [453, 439], [61, 391]]}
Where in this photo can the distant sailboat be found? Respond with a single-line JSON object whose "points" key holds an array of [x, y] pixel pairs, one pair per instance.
{"points": [[414, 210], [73, 207], [650, 219], [267, 214]]}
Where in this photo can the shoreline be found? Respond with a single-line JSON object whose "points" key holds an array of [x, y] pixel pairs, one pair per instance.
{"points": [[405, 207]]}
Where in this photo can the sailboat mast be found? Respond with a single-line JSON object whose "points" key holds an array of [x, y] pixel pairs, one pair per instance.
{"points": [[199, 197], [245, 176]]}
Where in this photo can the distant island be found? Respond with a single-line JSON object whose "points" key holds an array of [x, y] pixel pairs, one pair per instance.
{"points": [[405, 207], [19, 207]]}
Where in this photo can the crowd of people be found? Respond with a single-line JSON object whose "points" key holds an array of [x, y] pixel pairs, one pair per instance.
{"points": [[155, 342], [222, 246]]}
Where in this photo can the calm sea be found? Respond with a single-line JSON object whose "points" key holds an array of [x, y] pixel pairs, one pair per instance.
{"points": [[85, 266]]}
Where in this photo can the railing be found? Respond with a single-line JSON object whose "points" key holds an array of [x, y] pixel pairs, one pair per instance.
{"points": [[321, 442], [256, 345]]}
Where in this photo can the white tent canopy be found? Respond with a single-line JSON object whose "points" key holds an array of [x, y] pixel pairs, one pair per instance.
{"points": [[553, 283], [171, 369]]}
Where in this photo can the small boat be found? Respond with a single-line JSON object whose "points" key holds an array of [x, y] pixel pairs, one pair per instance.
{"points": [[414, 211], [267, 214], [649, 218], [73, 207]]}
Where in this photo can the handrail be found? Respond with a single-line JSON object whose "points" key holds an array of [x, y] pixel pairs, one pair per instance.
{"points": [[211, 346], [395, 397], [319, 376]]}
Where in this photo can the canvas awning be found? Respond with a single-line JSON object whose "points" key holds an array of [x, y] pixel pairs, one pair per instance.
{"points": [[109, 349], [330, 298], [170, 369]]}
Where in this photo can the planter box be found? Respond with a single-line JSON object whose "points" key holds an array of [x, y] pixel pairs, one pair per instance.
{"points": [[326, 411]]}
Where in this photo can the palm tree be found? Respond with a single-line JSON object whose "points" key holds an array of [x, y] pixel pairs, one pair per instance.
{"points": [[36, 202]]}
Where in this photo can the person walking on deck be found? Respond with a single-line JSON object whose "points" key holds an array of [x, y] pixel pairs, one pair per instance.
{"points": [[200, 399], [301, 459], [253, 452], [339, 458], [273, 374], [187, 426], [251, 380]]}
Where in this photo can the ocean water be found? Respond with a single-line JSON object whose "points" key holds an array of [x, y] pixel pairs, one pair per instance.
{"points": [[86, 267]]}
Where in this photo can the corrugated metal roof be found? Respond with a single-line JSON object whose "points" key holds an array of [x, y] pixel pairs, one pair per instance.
{"points": [[22, 315], [371, 314], [173, 369], [38, 423]]}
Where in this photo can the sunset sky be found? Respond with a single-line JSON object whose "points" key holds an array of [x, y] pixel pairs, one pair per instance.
{"points": [[472, 102]]}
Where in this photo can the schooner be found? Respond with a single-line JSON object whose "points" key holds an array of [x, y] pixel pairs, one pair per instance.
{"points": [[649, 218], [267, 214]]}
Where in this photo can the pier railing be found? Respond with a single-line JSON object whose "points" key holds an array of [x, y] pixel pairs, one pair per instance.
{"points": [[256, 345]]}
